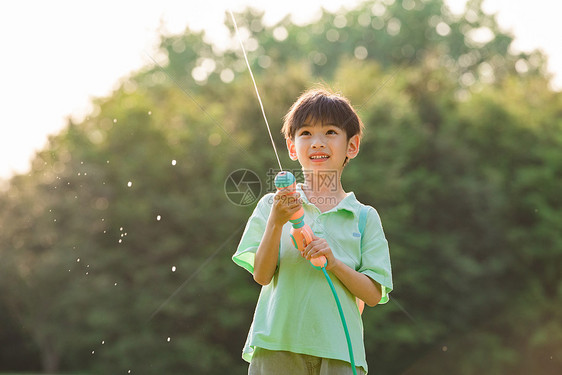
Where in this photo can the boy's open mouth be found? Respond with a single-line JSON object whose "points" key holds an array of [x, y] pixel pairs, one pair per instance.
{"points": [[319, 157]]}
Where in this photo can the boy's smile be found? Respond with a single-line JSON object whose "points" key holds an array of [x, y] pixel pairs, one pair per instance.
{"points": [[318, 157]]}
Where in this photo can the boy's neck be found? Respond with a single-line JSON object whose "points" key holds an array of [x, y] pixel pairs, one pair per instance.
{"points": [[324, 184]]}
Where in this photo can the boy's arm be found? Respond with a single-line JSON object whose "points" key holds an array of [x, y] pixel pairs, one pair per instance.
{"points": [[265, 262], [360, 285], [267, 254]]}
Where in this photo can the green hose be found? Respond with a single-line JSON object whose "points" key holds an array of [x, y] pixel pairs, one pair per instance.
{"points": [[349, 347]]}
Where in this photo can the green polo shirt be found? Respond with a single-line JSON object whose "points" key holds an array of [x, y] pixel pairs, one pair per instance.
{"points": [[296, 311]]}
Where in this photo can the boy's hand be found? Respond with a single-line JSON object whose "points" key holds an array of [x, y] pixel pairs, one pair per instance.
{"points": [[319, 246], [284, 206]]}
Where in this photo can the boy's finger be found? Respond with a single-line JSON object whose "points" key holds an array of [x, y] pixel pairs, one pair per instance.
{"points": [[286, 192], [296, 203]]}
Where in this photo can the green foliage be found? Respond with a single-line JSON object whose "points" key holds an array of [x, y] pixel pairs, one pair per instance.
{"points": [[115, 248]]}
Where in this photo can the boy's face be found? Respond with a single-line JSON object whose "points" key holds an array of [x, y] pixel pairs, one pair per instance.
{"points": [[322, 147]]}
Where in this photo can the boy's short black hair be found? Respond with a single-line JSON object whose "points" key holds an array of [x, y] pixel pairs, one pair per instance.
{"points": [[326, 107]]}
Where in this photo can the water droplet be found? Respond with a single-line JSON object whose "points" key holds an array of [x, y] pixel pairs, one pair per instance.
{"points": [[129, 184], [174, 162], [149, 113], [173, 268], [102, 342], [78, 260], [93, 351], [120, 228], [168, 339], [158, 217], [115, 121], [120, 241], [115, 284]]}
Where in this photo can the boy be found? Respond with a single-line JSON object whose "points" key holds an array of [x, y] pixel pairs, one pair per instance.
{"points": [[296, 327]]}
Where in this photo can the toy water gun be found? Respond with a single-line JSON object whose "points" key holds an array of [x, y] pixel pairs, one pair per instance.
{"points": [[301, 234]]}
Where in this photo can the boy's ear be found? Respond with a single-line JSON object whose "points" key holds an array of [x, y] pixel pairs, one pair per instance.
{"points": [[292, 149], [353, 146]]}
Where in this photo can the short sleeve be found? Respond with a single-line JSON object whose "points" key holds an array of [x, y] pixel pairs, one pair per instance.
{"points": [[253, 233], [375, 256]]}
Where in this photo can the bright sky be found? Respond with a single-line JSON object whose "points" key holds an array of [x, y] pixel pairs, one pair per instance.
{"points": [[58, 54]]}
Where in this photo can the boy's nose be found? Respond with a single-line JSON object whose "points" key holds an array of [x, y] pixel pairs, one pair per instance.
{"points": [[318, 142]]}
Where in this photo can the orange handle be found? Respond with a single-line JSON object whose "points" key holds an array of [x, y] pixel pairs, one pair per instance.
{"points": [[318, 262]]}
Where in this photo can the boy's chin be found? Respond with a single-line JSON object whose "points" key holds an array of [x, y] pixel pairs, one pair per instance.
{"points": [[319, 169]]}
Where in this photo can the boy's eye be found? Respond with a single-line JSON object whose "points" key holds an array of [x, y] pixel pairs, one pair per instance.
{"points": [[331, 131], [305, 132]]}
